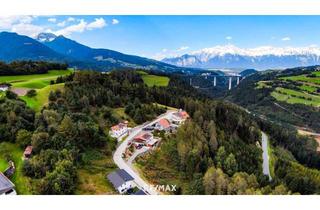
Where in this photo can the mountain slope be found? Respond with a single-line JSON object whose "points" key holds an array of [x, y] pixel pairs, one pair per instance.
{"points": [[48, 47], [17, 47], [103, 58], [230, 56]]}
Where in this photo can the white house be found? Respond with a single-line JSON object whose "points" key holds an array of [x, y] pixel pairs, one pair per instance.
{"points": [[121, 180], [179, 117], [119, 130], [4, 87]]}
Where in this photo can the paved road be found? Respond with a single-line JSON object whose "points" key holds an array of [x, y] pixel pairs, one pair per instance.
{"points": [[137, 153], [122, 164], [265, 155]]}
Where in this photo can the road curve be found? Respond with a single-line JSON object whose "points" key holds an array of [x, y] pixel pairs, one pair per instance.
{"points": [[122, 164], [265, 155]]}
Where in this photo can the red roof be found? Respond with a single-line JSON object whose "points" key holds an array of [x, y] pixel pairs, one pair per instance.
{"points": [[119, 126], [143, 136], [164, 123], [28, 150], [182, 114]]}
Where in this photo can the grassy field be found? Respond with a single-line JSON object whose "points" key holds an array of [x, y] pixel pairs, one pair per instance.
{"points": [[41, 99], [119, 113], [308, 88], [153, 80], [295, 97], [34, 81], [9, 151], [92, 176], [39, 82], [304, 78]]}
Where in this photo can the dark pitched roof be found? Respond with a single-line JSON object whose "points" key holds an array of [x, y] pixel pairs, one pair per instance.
{"points": [[5, 184], [140, 192], [119, 177]]}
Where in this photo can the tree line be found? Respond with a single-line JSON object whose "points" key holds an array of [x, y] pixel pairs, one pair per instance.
{"points": [[29, 67]]}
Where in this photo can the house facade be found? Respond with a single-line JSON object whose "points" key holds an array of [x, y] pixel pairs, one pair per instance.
{"points": [[180, 117], [118, 130]]}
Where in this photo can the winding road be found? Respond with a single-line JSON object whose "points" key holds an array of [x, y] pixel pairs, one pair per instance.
{"points": [[123, 164], [265, 155]]}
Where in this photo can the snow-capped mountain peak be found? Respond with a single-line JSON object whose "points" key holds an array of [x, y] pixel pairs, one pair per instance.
{"points": [[260, 57], [46, 37]]}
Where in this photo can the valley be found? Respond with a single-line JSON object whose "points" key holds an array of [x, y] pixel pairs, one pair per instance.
{"points": [[74, 119]]}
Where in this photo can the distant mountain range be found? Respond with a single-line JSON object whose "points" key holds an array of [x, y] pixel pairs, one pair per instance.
{"points": [[49, 47], [230, 56]]}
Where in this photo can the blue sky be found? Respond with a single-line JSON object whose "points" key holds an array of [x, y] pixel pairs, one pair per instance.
{"points": [[160, 36]]}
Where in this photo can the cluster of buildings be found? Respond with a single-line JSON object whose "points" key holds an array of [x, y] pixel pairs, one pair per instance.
{"points": [[122, 181], [170, 124]]}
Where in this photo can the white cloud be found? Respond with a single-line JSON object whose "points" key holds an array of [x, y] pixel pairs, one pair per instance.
{"points": [[115, 21], [97, 23], [82, 26], [6, 22], [71, 19], [24, 25], [20, 24], [67, 31], [182, 48], [286, 39], [62, 24], [228, 37], [164, 50], [27, 29], [52, 20]]}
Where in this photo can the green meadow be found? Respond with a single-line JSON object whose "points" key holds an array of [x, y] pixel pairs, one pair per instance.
{"points": [[304, 78], [154, 80], [34, 81], [41, 99], [295, 97], [38, 82]]}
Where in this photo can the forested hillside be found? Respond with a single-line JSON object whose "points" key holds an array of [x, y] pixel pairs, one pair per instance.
{"points": [[217, 151], [289, 97], [29, 67]]}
